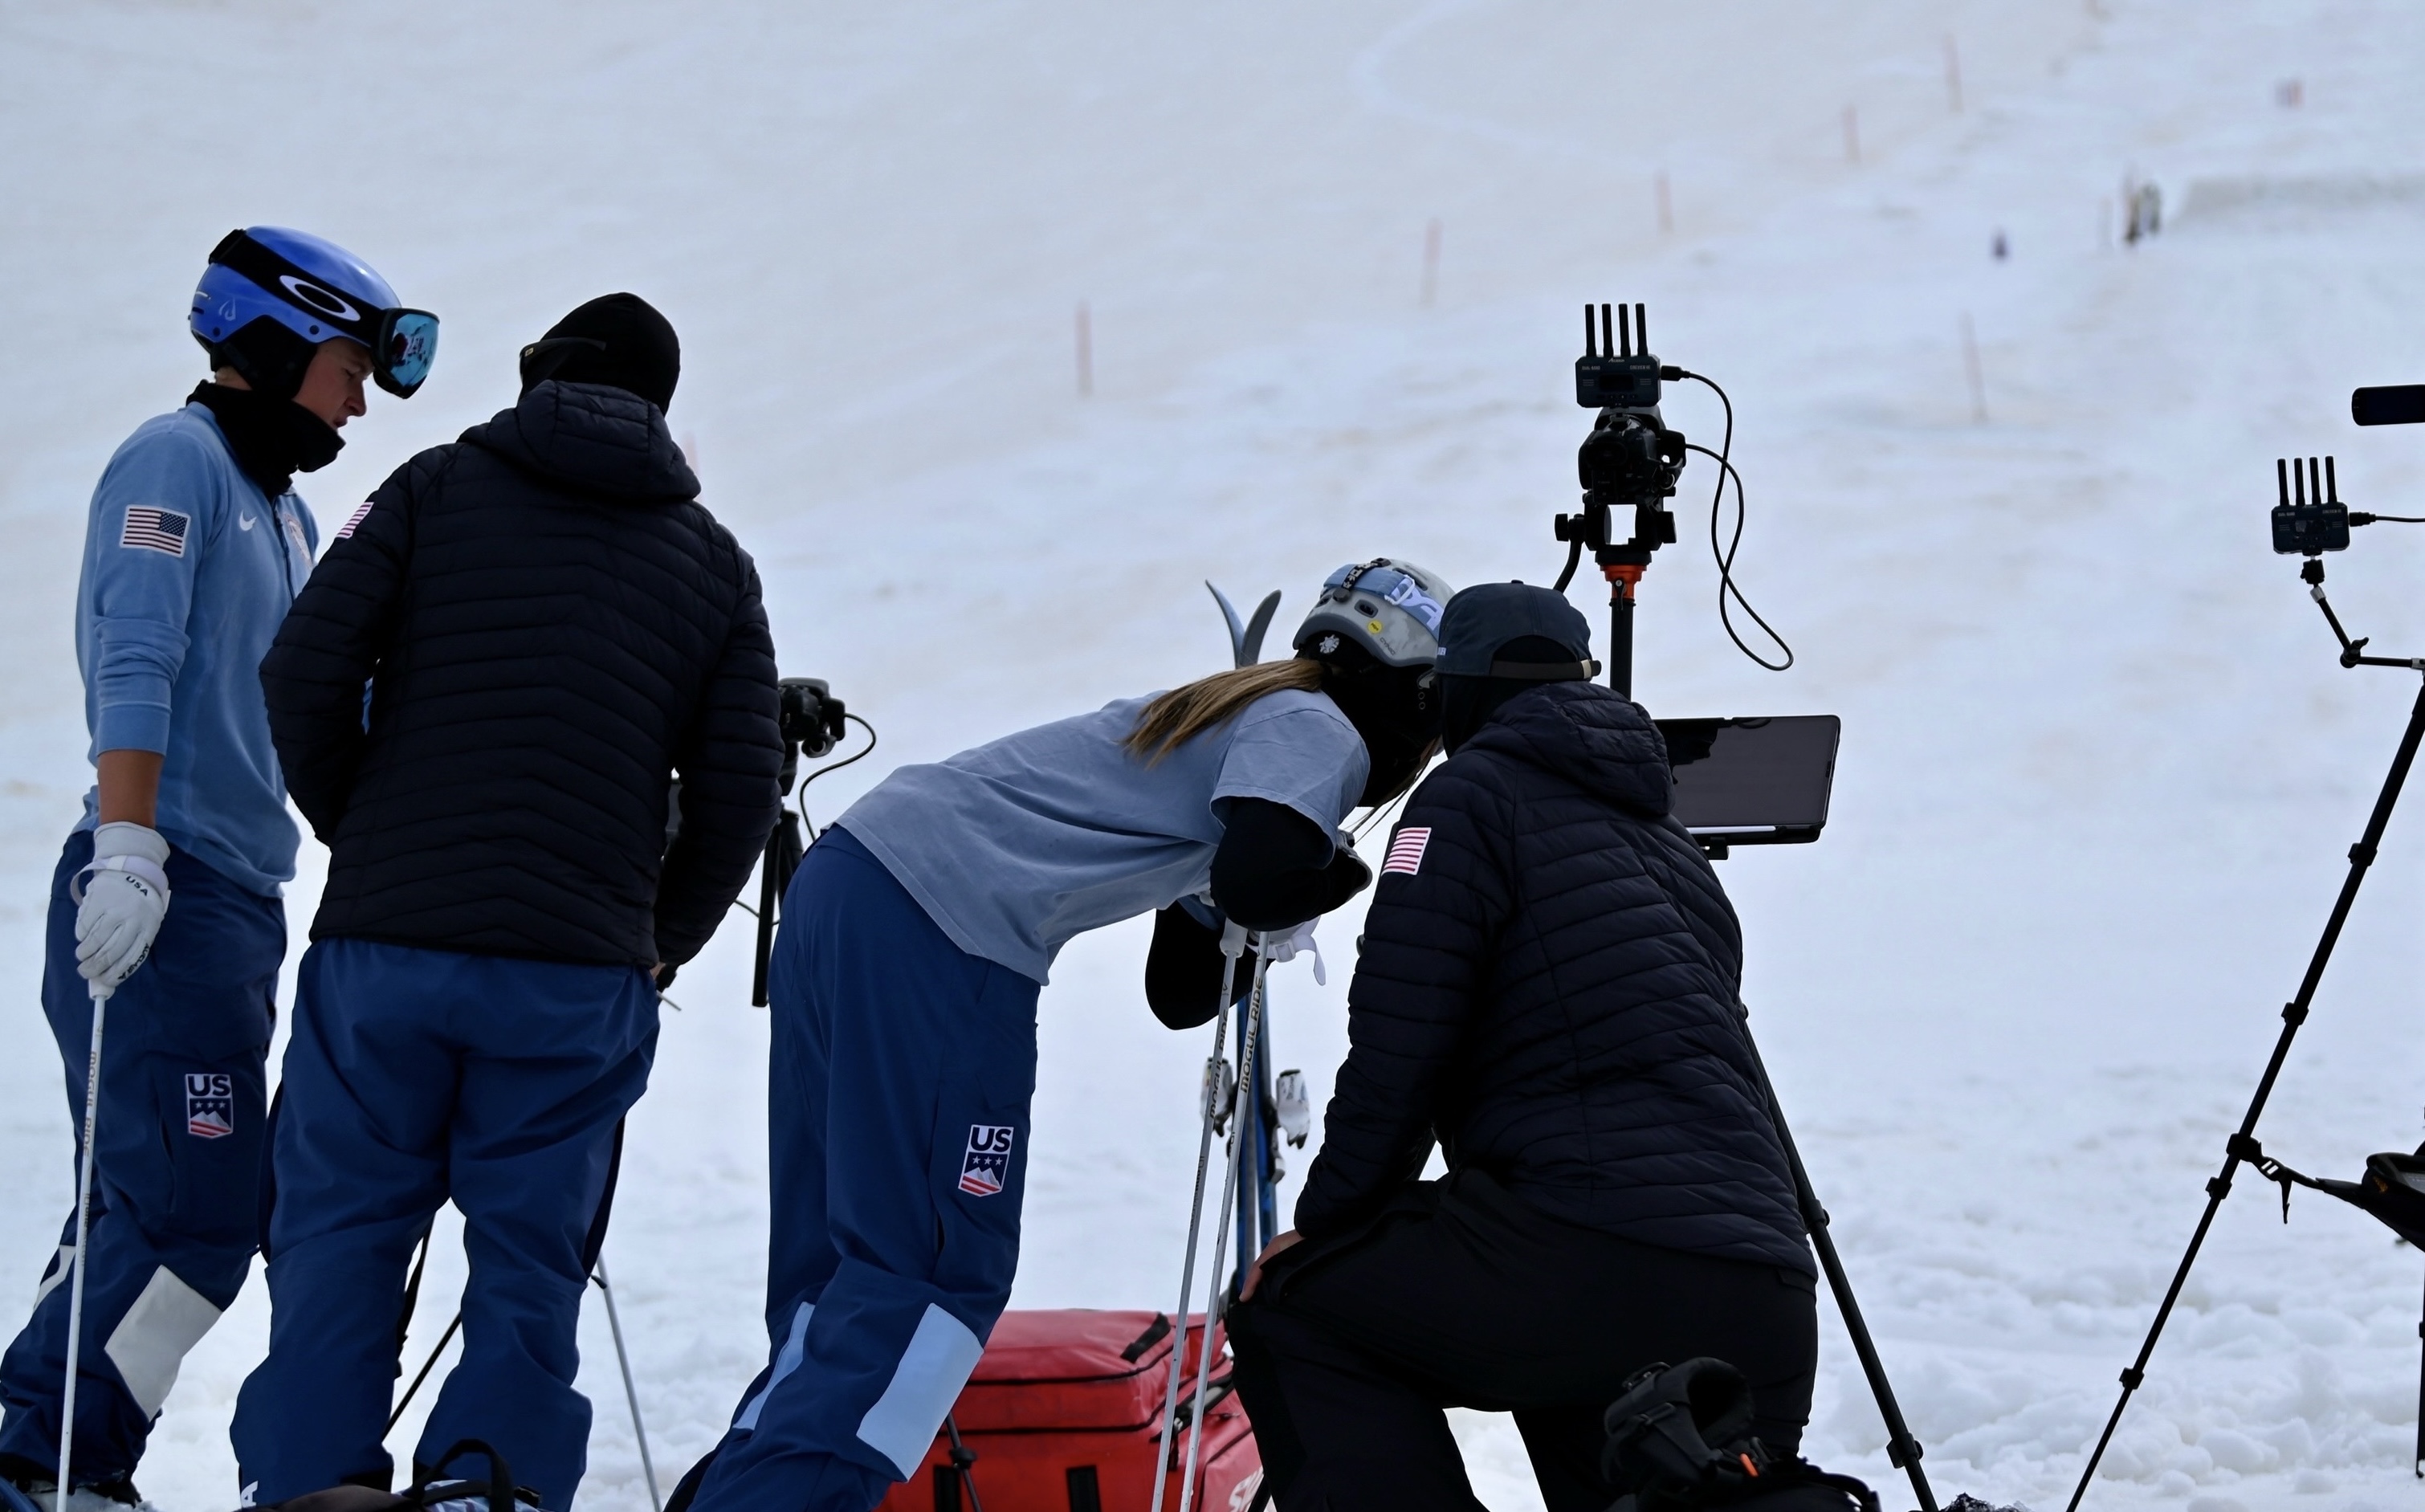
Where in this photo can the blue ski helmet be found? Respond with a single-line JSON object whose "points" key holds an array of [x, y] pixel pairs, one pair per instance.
{"points": [[271, 295]]}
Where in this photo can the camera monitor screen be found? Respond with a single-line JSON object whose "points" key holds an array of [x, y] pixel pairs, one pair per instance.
{"points": [[1753, 782]]}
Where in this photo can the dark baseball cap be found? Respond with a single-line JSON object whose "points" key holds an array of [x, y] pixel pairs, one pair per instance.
{"points": [[1481, 621]]}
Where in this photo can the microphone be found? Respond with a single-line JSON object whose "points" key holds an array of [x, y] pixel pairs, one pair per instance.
{"points": [[2399, 404]]}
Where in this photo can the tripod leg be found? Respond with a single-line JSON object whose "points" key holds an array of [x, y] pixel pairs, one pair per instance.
{"points": [[2420, 1465], [1902, 1450], [2242, 1145]]}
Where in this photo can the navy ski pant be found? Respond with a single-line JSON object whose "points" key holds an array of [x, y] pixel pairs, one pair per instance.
{"points": [[415, 1077], [897, 1106], [179, 1140]]}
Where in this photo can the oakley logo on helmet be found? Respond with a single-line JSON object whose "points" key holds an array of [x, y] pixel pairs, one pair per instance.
{"points": [[316, 290], [320, 299]]}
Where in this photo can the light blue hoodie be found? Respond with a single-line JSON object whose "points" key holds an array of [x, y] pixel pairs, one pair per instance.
{"points": [[189, 569]]}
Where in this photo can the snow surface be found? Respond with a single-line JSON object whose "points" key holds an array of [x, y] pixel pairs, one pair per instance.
{"points": [[2099, 771]]}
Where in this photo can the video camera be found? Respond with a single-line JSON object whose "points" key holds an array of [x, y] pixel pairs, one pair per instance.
{"points": [[1632, 459], [812, 720]]}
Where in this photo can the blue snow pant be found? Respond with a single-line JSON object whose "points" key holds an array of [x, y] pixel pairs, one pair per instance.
{"points": [[179, 1141], [898, 1104], [414, 1077]]}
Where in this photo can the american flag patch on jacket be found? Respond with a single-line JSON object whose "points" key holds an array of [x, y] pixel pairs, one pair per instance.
{"points": [[351, 521], [1406, 851], [154, 530]]}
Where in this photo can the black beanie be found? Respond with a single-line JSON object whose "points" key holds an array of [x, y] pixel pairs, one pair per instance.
{"points": [[618, 340]]}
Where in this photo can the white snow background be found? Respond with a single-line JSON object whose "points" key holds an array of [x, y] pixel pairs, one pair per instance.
{"points": [[2100, 770]]}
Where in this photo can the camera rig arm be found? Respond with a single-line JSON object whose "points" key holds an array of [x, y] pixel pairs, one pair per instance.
{"points": [[2311, 572]]}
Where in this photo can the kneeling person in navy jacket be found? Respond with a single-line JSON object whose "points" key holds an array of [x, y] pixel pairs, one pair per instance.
{"points": [[1547, 989]]}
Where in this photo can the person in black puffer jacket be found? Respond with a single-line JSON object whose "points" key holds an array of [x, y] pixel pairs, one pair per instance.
{"points": [[551, 631], [1547, 989]]}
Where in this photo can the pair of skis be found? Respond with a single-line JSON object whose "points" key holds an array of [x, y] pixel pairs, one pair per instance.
{"points": [[1238, 1104]]}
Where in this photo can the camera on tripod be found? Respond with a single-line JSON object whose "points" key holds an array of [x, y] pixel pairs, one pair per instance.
{"points": [[1630, 460]]}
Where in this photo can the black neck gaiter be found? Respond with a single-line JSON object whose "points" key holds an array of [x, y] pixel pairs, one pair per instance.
{"points": [[272, 439], [1397, 714]]}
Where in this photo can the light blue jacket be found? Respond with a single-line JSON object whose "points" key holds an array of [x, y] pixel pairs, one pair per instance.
{"points": [[189, 569]]}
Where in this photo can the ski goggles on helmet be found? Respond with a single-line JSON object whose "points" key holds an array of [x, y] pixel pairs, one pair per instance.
{"points": [[403, 343]]}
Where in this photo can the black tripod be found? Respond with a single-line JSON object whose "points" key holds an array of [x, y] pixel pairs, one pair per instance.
{"points": [[1902, 1450], [2242, 1146]]}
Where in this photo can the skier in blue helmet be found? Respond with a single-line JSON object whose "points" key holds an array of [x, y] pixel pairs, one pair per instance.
{"points": [[167, 891]]}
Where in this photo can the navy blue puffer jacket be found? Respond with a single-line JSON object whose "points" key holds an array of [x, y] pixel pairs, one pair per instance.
{"points": [[554, 628], [1548, 988]]}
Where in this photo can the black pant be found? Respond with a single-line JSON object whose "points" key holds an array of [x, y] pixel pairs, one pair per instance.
{"points": [[1461, 1294]]}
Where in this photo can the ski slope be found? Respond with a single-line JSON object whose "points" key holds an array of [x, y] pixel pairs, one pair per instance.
{"points": [[2100, 770]]}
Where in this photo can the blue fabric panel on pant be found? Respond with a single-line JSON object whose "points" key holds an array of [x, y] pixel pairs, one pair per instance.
{"points": [[179, 1134], [901, 1074], [414, 1077]]}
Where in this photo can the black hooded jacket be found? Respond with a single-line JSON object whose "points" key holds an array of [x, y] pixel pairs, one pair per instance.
{"points": [[551, 629], [1548, 988]]}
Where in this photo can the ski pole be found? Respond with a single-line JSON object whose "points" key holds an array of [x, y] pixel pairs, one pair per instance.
{"points": [[426, 1366], [1233, 946], [83, 1231], [1231, 1173], [631, 1392]]}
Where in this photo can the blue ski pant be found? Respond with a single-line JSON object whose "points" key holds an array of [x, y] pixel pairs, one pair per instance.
{"points": [[415, 1077], [897, 1102], [178, 1143]]}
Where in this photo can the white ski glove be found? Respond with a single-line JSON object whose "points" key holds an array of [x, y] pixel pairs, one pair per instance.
{"points": [[1294, 1107], [121, 897], [1281, 949]]}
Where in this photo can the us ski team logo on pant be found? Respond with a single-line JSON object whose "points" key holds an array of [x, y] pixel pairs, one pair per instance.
{"points": [[988, 1162], [210, 1104]]}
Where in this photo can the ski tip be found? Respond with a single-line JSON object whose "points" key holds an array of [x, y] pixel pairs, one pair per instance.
{"points": [[1228, 613], [1250, 650]]}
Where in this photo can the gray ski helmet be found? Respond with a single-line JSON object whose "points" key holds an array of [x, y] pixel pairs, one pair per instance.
{"points": [[1390, 608]]}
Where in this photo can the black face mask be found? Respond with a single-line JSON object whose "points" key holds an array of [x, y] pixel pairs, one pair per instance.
{"points": [[1396, 711], [273, 439], [1467, 704]]}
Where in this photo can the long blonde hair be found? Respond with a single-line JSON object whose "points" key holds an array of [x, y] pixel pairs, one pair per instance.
{"points": [[1208, 702]]}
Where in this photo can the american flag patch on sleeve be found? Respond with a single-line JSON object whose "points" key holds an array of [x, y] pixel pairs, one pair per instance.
{"points": [[1406, 851], [151, 529], [351, 521]]}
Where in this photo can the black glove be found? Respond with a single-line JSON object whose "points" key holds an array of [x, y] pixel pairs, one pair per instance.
{"points": [[1346, 876], [1182, 969], [1275, 867]]}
